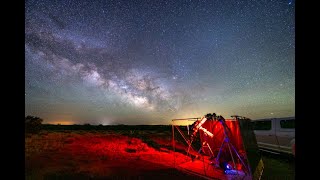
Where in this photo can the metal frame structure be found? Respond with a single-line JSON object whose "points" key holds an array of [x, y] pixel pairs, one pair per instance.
{"points": [[183, 136], [197, 126]]}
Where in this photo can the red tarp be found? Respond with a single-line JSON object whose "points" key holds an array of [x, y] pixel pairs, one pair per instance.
{"points": [[216, 128]]}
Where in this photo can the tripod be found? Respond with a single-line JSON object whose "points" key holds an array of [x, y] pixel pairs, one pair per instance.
{"points": [[226, 141], [206, 144]]}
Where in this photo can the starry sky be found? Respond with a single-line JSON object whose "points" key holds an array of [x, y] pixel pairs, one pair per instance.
{"points": [[149, 61]]}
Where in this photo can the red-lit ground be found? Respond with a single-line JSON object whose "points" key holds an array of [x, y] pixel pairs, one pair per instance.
{"points": [[102, 155], [83, 155]]}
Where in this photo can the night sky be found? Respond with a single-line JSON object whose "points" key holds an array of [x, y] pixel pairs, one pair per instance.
{"points": [[147, 62]]}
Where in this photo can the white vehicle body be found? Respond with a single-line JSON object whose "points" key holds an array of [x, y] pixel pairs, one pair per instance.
{"points": [[276, 135]]}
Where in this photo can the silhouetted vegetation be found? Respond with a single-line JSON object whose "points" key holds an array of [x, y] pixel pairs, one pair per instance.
{"points": [[158, 128], [33, 124]]}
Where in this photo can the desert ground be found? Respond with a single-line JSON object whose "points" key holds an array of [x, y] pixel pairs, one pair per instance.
{"points": [[118, 154]]}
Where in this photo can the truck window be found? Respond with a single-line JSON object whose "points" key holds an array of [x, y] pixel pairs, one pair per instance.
{"points": [[287, 124], [262, 125]]}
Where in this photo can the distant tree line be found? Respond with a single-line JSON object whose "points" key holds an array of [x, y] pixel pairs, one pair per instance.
{"points": [[34, 124], [106, 127]]}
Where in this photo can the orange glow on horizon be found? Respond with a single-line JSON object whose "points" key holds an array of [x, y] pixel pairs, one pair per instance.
{"points": [[62, 122]]}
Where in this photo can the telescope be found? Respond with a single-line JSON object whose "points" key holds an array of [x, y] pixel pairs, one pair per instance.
{"points": [[198, 124], [224, 144]]}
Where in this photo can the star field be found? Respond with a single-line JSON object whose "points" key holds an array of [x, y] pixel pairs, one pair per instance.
{"points": [[147, 62]]}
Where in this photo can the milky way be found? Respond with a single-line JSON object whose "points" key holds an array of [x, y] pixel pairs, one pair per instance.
{"points": [[146, 62]]}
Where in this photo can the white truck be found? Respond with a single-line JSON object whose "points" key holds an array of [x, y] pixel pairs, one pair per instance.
{"points": [[276, 135]]}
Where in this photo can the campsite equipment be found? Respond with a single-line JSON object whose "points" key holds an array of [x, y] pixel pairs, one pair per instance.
{"points": [[218, 148]]}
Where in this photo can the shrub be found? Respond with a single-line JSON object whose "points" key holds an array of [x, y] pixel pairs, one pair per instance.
{"points": [[33, 124]]}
